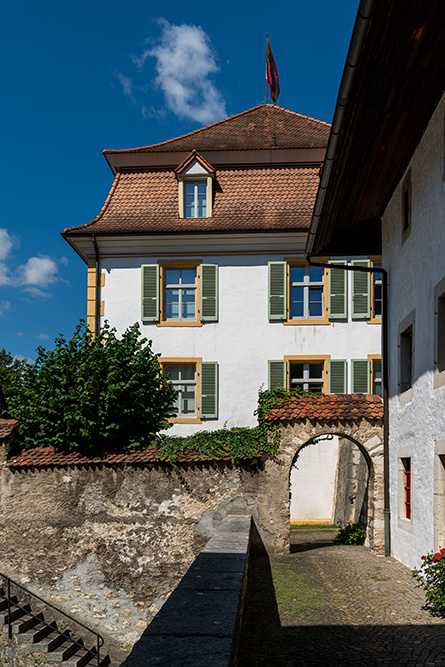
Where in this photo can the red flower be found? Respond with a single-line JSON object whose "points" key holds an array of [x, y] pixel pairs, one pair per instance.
{"points": [[437, 556], [442, 551], [423, 557]]}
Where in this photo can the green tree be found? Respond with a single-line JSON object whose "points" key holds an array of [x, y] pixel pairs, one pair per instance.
{"points": [[10, 369], [92, 394]]}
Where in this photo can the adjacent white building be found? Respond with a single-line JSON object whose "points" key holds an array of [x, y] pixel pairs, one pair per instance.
{"points": [[386, 191]]}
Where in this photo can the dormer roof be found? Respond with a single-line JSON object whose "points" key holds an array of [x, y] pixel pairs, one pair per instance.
{"points": [[195, 164]]}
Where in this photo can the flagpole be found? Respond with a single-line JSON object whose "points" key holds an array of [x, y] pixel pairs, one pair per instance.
{"points": [[267, 36]]}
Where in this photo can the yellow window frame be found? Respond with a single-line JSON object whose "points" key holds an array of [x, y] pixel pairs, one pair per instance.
{"points": [[292, 261], [308, 358], [181, 361], [179, 264]]}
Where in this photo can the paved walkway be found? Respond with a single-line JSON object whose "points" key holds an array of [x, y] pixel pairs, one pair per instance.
{"points": [[326, 604]]}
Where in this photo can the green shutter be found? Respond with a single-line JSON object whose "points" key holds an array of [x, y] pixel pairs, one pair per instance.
{"points": [[277, 291], [209, 292], [150, 293], [361, 302], [276, 374], [337, 376], [360, 376], [208, 387], [338, 292]]}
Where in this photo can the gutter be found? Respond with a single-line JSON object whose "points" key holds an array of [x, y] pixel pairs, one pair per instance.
{"points": [[352, 59], [97, 294]]}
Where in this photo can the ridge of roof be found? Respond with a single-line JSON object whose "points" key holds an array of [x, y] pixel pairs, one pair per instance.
{"points": [[112, 151]]}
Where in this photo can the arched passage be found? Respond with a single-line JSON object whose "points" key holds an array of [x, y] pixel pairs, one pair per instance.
{"points": [[358, 418], [329, 481]]}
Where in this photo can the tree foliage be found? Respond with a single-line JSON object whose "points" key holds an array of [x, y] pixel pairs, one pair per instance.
{"points": [[10, 369], [91, 393]]}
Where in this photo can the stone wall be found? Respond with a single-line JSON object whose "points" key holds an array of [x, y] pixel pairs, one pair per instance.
{"points": [[108, 545]]}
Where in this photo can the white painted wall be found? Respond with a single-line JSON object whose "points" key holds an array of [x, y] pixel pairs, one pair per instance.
{"points": [[242, 340], [415, 267], [312, 482]]}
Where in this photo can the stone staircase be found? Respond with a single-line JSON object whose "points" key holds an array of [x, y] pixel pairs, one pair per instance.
{"points": [[36, 641]]}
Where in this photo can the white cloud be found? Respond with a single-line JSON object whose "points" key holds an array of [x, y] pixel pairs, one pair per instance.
{"points": [[126, 83], [20, 333], [38, 271], [5, 278], [185, 62], [43, 336], [6, 242], [4, 307]]}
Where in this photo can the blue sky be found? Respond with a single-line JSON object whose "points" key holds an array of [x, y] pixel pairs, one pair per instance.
{"points": [[81, 77]]}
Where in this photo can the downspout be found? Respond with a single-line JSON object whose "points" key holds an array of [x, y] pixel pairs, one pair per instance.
{"points": [[385, 384], [97, 293]]}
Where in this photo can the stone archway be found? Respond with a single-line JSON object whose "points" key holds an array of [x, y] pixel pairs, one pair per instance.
{"points": [[358, 418]]}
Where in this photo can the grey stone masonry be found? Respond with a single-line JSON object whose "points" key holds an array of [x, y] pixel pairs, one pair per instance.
{"points": [[200, 622]]}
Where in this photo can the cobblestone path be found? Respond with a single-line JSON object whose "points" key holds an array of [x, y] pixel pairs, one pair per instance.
{"points": [[326, 604]]}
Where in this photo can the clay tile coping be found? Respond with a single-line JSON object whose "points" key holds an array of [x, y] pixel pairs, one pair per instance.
{"points": [[7, 426], [43, 457], [347, 407]]}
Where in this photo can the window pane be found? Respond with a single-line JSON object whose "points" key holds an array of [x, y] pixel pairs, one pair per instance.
{"points": [[297, 274], [296, 302], [316, 371], [171, 304], [189, 189], [377, 300], [172, 276], [296, 371], [316, 388], [172, 371], [188, 276], [188, 372], [202, 188], [315, 274], [188, 304], [316, 302], [188, 399]]}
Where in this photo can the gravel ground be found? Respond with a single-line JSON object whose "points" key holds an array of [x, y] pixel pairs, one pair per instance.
{"points": [[327, 604]]}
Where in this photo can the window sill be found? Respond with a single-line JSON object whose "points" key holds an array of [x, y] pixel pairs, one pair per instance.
{"points": [[406, 524], [307, 322], [185, 420], [374, 320], [406, 396], [179, 324], [438, 379]]}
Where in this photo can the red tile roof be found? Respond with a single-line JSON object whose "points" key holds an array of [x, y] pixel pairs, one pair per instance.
{"points": [[262, 199], [339, 407], [7, 426], [249, 130], [42, 457]]}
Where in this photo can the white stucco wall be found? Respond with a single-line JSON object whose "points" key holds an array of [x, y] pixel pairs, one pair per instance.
{"points": [[243, 339], [312, 482], [415, 267]]}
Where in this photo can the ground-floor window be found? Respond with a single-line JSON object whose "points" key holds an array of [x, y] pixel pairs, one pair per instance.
{"points": [[183, 378]]}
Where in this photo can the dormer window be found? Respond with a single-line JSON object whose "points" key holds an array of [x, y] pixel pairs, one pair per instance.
{"points": [[195, 177], [195, 199]]}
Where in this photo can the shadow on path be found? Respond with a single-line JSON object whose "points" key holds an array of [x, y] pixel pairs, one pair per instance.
{"points": [[321, 639]]}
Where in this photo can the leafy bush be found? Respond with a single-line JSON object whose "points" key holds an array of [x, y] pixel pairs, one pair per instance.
{"points": [[351, 533], [238, 443], [91, 393], [431, 577]]}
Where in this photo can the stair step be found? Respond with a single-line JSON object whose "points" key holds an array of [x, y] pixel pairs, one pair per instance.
{"points": [[15, 613], [36, 634], [24, 623], [48, 643], [62, 652], [81, 658]]}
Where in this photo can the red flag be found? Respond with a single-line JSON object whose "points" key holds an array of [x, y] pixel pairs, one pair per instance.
{"points": [[272, 74]]}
